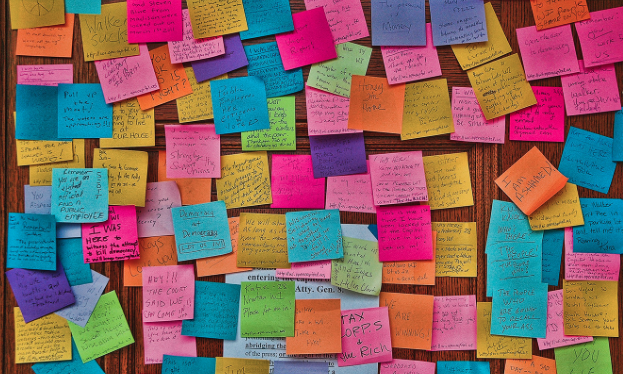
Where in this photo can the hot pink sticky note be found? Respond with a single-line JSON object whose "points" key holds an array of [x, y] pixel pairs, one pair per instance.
{"points": [[547, 53], [408, 64], [155, 218], [165, 338], [45, 75], [454, 323], [601, 37], [327, 113], [154, 21], [470, 124], [592, 90], [191, 49], [405, 233], [345, 18], [306, 270], [126, 77], [168, 293], [351, 193], [293, 184], [407, 367], [543, 122], [193, 151], [589, 266], [309, 43], [398, 178], [366, 337], [112, 240], [555, 335]]}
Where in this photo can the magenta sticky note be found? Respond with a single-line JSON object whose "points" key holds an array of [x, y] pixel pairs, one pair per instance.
{"points": [[306, 270], [193, 151], [113, 240], [601, 37], [592, 90], [397, 366], [190, 49], [154, 219], [470, 124], [345, 17], [154, 21], [454, 323], [366, 337], [165, 338], [293, 184], [327, 113], [351, 193], [547, 53], [555, 335], [45, 75], [168, 293], [405, 233], [398, 178], [589, 266], [309, 43], [543, 122]]}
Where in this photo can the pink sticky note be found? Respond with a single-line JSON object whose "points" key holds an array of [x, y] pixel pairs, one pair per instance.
{"points": [[168, 293], [345, 18], [112, 240], [366, 337], [601, 37], [193, 151], [327, 113], [547, 53], [592, 90], [154, 21], [309, 43], [306, 270], [293, 184], [408, 64], [165, 338], [155, 218], [351, 193], [398, 178], [470, 124], [405, 233], [407, 367], [589, 266], [191, 49], [555, 334], [454, 323], [543, 122], [45, 75], [126, 77]]}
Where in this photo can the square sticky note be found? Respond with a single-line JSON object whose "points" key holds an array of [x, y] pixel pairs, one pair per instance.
{"points": [[547, 53], [266, 17], [267, 309], [317, 327], [80, 195], [408, 314], [113, 240], [234, 58], [239, 104], [127, 174], [262, 241], [83, 111], [398, 24], [168, 293], [375, 105], [373, 346], [251, 167], [458, 23], [592, 90], [314, 235], [217, 306], [599, 36], [341, 154], [193, 151], [360, 270], [544, 121], [398, 178], [154, 22], [293, 183], [404, 233], [548, 14], [427, 110], [31, 242]]}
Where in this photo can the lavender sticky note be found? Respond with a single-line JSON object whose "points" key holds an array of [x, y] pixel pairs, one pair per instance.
{"points": [[310, 367], [342, 154], [87, 295], [458, 22], [234, 58], [398, 23]]}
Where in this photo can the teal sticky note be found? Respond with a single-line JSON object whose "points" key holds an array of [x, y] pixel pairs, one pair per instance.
{"points": [[31, 242], [265, 62], [239, 104], [201, 231], [83, 6], [552, 255], [520, 311], [216, 311], [602, 231], [314, 235], [72, 260], [463, 367], [80, 195], [75, 366], [83, 112], [617, 141], [36, 109], [266, 17], [178, 365], [586, 358]]}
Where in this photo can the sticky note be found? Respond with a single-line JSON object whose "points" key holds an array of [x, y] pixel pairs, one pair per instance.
{"points": [[154, 22], [334, 76], [398, 178], [410, 319], [87, 296], [525, 303], [306, 270], [470, 124], [266, 18], [75, 365], [458, 23], [448, 181], [31, 242], [597, 36], [555, 336], [588, 357], [234, 58], [155, 251], [45, 75], [160, 338], [397, 366], [155, 218], [293, 183], [127, 175], [314, 235], [198, 105], [113, 240], [360, 269], [239, 104], [44, 340], [400, 241], [168, 293], [83, 7], [27, 16], [326, 113], [553, 241], [267, 309], [83, 112], [281, 136], [341, 154], [420, 272], [589, 266], [562, 210], [224, 264], [535, 365], [350, 193], [216, 17], [192, 191], [583, 315], [36, 122], [474, 367], [299, 366], [37, 199], [51, 41], [602, 231], [248, 366], [193, 151], [547, 15], [345, 18], [373, 345], [544, 121], [41, 175], [375, 105], [216, 311], [188, 48], [262, 241], [80, 195], [398, 23], [547, 53], [252, 167], [317, 327], [454, 323], [456, 249], [71, 259], [131, 126], [592, 90], [427, 110], [176, 364], [265, 63], [496, 346]]}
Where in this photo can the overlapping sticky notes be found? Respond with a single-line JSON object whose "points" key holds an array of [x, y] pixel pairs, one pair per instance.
{"points": [[456, 250], [598, 37], [265, 63], [131, 126], [193, 151], [341, 154], [300, 366], [602, 231], [160, 338], [334, 76], [454, 323], [350, 193], [267, 309], [397, 366], [155, 218], [314, 235], [591, 308], [518, 310], [239, 104], [589, 266], [366, 337], [198, 105], [404, 233], [398, 178], [31, 242], [242, 365], [497, 346], [548, 14], [562, 210], [266, 17], [591, 357], [345, 18], [262, 241], [87, 296], [216, 17], [224, 264], [106, 331], [127, 175], [168, 293], [36, 122], [306, 270], [113, 240], [547, 53], [543, 122], [472, 367], [281, 136], [293, 183], [553, 241], [192, 190], [427, 110], [44, 340], [536, 365], [250, 167], [317, 327], [216, 311], [448, 181], [458, 23], [555, 336], [592, 90], [73, 366], [27, 15], [233, 59], [410, 319], [177, 364], [326, 113], [45, 74], [71, 259], [83, 112], [189, 49], [41, 175], [51, 41], [201, 230], [107, 34], [155, 251], [375, 105], [359, 270], [154, 22], [80, 195], [398, 24], [420, 272], [470, 124]]}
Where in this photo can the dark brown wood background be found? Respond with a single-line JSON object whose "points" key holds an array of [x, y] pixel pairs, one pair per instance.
{"points": [[486, 162]]}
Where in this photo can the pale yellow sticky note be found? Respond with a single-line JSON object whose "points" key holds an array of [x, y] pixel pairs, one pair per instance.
{"points": [[216, 17], [226, 365], [562, 210], [498, 346], [245, 180], [198, 105], [127, 175], [427, 110], [591, 308], [457, 249], [41, 175], [475, 54], [27, 14], [37, 152], [131, 126], [448, 181], [262, 241], [42, 340]]}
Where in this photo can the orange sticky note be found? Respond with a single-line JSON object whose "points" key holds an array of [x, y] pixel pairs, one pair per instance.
{"points": [[410, 319], [548, 14], [317, 327], [375, 105], [420, 272], [52, 41], [155, 251], [538, 365], [225, 264], [531, 181], [192, 190]]}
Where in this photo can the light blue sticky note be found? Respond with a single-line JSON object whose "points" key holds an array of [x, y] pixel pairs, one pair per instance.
{"points": [[520, 310], [314, 235], [180, 365], [36, 110], [83, 6], [602, 231], [38, 200], [265, 62], [587, 160], [266, 17], [87, 295], [31, 242], [398, 23], [83, 112], [309, 367], [617, 142], [553, 241], [201, 231], [216, 311], [74, 366], [458, 22], [80, 195], [72, 258], [239, 104], [463, 367]]}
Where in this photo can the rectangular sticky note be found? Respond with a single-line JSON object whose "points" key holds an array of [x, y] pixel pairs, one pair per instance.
{"points": [[175, 364], [458, 23], [591, 308], [456, 249], [80, 195], [31, 242], [51, 41], [326, 113], [448, 181], [36, 122], [473, 367], [404, 233], [398, 178], [410, 319], [192, 151], [239, 104], [47, 339], [398, 23], [216, 311], [553, 241], [547, 53], [216, 17], [591, 357], [266, 17], [113, 240], [496, 346], [562, 210], [83, 111], [242, 365], [397, 366], [602, 231], [420, 272], [293, 183], [160, 338], [45, 75], [127, 175], [168, 293], [251, 167], [518, 310], [306, 270], [373, 346], [317, 325], [427, 110], [360, 270], [41, 175], [262, 241], [589, 266], [598, 36], [375, 105], [154, 22], [267, 309], [454, 323], [555, 336], [544, 121], [592, 90], [39, 14], [350, 193], [340, 154], [314, 235]]}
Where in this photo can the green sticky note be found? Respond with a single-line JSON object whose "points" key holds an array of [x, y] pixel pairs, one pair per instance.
{"points": [[334, 76], [591, 357], [360, 270], [267, 309], [106, 331], [281, 136]]}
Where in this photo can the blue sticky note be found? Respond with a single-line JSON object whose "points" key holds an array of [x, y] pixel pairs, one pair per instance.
{"points": [[83, 112], [339, 154], [87, 295], [463, 367], [72, 259], [314, 235], [74, 366], [587, 160], [38, 200], [300, 367], [602, 231], [239, 104], [36, 110], [553, 241], [265, 62], [201, 231], [31, 242], [374, 229], [458, 22], [266, 17], [520, 310], [179, 365], [617, 142], [83, 6], [216, 311], [398, 23], [80, 195]]}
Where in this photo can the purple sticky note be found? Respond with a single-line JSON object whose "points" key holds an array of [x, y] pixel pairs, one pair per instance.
{"points": [[342, 154], [234, 58]]}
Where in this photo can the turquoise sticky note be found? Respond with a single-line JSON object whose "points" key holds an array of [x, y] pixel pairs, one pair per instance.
{"points": [[602, 231], [201, 231], [266, 17], [217, 306], [72, 260], [75, 366], [83, 6], [83, 112], [463, 367], [265, 62], [36, 109], [239, 104], [617, 141], [520, 310], [178, 365], [314, 235], [552, 255], [80, 195], [31, 241]]}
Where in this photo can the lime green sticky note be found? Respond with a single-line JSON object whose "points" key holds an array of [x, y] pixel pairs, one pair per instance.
{"points": [[591, 357], [360, 270], [334, 76], [281, 136], [106, 331], [267, 309]]}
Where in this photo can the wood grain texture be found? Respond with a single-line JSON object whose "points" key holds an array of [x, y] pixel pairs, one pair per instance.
{"points": [[486, 163]]}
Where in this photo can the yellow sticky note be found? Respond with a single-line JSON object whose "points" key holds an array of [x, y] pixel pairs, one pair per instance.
{"points": [[196, 106], [131, 126], [591, 308], [262, 241], [448, 181], [562, 210], [245, 180], [127, 175], [475, 54], [427, 110], [498, 346], [42, 340], [501, 87], [216, 17], [226, 365], [27, 14], [41, 175], [457, 249], [37, 152]]}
